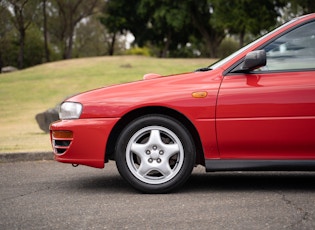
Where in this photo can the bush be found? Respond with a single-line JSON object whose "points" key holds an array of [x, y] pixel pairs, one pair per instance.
{"points": [[34, 48], [227, 46], [141, 51]]}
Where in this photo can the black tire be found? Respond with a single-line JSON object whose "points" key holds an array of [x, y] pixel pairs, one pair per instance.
{"points": [[155, 154]]}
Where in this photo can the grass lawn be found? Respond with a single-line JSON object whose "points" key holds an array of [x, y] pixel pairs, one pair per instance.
{"points": [[25, 93]]}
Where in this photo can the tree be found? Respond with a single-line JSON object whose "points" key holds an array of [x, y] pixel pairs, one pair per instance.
{"points": [[294, 8], [70, 13], [118, 17], [5, 27], [156, 23], [34, 47], [55, 29], [246, 16], [98, 42], [166, 24], [306, 6], [24, 13], [201, 14]]}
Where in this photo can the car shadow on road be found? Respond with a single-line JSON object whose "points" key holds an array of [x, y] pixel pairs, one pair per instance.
{"points": [[100, 183], [201, 182], [251, 181]]}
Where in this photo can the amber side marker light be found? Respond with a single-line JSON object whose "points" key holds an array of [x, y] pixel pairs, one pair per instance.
{"points": [[200, 94], [62, 134]]}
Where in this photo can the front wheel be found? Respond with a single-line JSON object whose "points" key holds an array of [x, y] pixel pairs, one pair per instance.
{"points": [[155, 154]]}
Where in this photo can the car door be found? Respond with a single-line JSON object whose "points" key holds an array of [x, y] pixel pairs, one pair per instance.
{"points": [[269, 113]]}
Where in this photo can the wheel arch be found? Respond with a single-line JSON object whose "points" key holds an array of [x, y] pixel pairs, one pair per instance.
{"points": [[127, 118]]}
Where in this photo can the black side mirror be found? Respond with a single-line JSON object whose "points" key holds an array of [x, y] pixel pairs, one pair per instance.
{"points": [[254, 60]]}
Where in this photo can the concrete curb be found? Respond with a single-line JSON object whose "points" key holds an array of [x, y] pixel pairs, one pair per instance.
{"points": [[29, 156]]}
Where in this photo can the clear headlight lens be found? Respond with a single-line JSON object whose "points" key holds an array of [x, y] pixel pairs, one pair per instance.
{"points": [[70, 110]]}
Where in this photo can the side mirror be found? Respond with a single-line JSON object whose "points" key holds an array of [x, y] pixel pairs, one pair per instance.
{"points": [[254, 60]]}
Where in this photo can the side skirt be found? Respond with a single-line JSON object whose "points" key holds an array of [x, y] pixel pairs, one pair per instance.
{"points": [[260, 165]]}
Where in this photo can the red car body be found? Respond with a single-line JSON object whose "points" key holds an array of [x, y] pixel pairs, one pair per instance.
{"points": [[238, 120]]}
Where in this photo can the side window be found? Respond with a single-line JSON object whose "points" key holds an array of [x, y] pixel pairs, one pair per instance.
{"points": [[293, 51]]}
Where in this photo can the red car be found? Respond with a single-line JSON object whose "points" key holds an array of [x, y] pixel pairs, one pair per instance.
{"points": [[254, 110]]}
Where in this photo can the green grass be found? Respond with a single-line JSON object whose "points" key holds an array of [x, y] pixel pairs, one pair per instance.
{"points": [[25, 93]]}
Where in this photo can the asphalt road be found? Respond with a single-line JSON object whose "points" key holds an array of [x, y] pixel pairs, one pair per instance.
{"points": [[51, 195]]}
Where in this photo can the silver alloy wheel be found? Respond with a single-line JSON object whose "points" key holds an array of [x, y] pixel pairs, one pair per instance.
{"points": [[154, 155]]}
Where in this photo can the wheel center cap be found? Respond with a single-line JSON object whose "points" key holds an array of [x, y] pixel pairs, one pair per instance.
{"points": [[154, 154]]}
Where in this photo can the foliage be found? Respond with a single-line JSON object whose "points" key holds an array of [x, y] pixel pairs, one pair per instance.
{"points": [[24, 13], [227, 46], [166, 24], [34, 47], [171, 25], [169, 28], [201, 13], [246, 16], [70, 14], [301, 6], [99, 41], [142, 51]]}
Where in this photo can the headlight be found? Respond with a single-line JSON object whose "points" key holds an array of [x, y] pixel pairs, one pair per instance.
{"points": [[70, 110]]}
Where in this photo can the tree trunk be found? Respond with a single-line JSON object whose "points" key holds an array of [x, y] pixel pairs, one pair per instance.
{"points": [[242, 36], [21, 51], [112, 45], [69, 44], [1, 62], [211, 37], [72, 13], [47, 52], [166, 45]]}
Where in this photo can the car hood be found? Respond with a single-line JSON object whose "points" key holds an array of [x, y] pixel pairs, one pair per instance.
{"points": [[155, 90]]}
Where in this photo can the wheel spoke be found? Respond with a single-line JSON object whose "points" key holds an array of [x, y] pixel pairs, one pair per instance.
{"points": [[144, 168], [165, 169], [170, 150], [155, 138], [138, 149]]}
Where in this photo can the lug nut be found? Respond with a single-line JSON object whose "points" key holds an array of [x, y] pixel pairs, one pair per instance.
{"points": [[158, 160], [150, 160], [161, 152], [148, 152], [154, 147]]}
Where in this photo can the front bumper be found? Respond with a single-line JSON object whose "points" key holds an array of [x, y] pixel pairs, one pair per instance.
{"points": [[86, 145]]}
